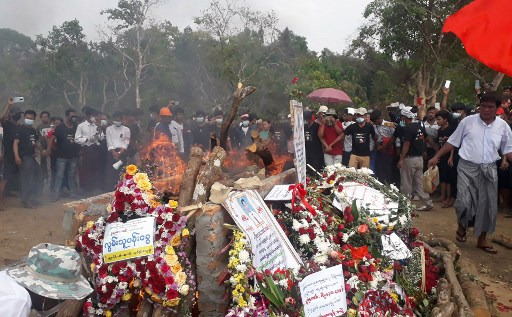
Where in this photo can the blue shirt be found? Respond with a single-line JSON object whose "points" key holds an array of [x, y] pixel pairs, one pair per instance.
{"points": [[479, 142]]}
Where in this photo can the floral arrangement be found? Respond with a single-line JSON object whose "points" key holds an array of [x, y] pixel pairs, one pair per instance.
{"points": [[239, 264], [165, 277], [327, 227]]}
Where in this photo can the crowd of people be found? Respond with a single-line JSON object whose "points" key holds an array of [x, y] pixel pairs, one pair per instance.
{"points": [[81, 153]]}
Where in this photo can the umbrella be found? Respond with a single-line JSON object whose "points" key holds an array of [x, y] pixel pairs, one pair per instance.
{"points": [[329, 95]]}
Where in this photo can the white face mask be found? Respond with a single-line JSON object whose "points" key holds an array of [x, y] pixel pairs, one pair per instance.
{"points": [[218, 121], [200, 119], [360, 120], [29, 122], [103, 123], [456, 115], [245, 123], [117, 123]]}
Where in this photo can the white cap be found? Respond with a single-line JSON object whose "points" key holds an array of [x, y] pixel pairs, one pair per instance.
{"points": [[361, 111], [407, 113], [351, 110], [322, 109], [14, 299]]}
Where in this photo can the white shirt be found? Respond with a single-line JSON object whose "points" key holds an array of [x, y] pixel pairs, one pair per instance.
{"points": [[118, 137], [383, 131], [432, 129], [177, 135], [85, 131], [478, 142], [14, 299], [347, 144]]}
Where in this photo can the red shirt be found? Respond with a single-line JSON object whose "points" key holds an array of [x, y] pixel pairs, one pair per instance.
{"points": [[330, 135]]}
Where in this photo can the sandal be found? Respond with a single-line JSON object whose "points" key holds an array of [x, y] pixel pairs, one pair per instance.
{"points": [[461, 237], [488, 249]]}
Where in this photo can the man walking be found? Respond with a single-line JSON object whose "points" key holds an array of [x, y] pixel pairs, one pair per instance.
{"points": [[66, 154], [479, 138], [361, 132], [411, 160]]}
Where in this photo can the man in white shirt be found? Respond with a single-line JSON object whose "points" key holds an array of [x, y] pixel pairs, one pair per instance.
{"points": [[479, 138], [118, 140], [348, 119], [176, 127], [88, 135]]}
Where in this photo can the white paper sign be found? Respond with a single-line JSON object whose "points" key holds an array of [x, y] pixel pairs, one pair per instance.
{"points": [[394, 248], [279, 192], [270, 247], [368, 198], [298, 142], [129, 240], [323, 293]]}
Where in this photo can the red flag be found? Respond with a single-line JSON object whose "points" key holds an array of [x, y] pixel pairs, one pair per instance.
{"points": [[485, 29]]}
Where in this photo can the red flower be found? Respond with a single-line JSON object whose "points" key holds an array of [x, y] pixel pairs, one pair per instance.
{"points": [[294, 80], [362, 229], [176, 217], [302, 231], [359, 253], [290, 284], [340, 188], [115, 269], [312, 236], [414, 232], [169, 280], [102, 271], [172, 294], [97, 249]]}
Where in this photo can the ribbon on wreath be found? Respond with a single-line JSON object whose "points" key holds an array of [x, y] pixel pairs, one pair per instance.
{"points": [[299, 190]]}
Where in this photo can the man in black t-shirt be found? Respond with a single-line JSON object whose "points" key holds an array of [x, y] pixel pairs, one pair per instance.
{"points": [[411, 159], [314, 151], [25, 143], [361, 132], [67, 153], [9, 119]]}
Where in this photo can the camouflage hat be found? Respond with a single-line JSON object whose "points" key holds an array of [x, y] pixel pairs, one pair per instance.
{"points": [[53, 271]]}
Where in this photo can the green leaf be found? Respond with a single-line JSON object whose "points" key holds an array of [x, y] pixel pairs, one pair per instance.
{"points": [[425, 302], [275, 290], [355, 212]]}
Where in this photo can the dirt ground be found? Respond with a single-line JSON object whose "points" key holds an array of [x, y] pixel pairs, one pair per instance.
{"points": [[20, 229]]}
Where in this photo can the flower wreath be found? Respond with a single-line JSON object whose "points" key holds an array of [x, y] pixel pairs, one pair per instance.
{"points": [[164, 276]]}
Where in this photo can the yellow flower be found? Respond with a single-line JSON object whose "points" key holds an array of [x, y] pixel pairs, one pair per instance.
{"points": [[92, 266], [109, 208], [241, 302], [140, 177], [351, 313], [126, 297], [155, 298], [169, 250], [176, 240], [90, 224], [391, 227], [331, 181], [374, 219], [235, 293], [172, 302], [108, 313], [173, 204], [394, 296], [176, 268], [144, 185], [171, 259], [185, 232], [155, 204], [131, 169], [379, 227], [181, 278]]}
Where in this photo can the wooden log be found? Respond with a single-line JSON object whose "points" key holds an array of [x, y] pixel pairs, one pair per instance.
{"points": [[210, 174], [145, 309], [188, 182], [71, 308], [160, 311], [238, 96], [473, 292], [444, 307]]}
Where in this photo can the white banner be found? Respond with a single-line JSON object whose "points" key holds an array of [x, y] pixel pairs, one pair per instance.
{"points": [[270, 247], [129, 240], [279, 192], [323, 293], [298, 141]]}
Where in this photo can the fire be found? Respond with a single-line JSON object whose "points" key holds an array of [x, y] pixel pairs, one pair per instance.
{"points": [[170, 167], [237, 162]]}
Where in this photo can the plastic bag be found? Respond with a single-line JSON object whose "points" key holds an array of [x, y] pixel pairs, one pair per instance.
{"points": [[431, 180]]}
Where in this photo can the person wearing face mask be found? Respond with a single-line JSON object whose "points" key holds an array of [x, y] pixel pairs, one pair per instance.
{"points": [[66, 151], [201, 131], [265, 130], [26, 141], [118, 140], [242, 137], [331, 135], [361, 133], [459, 112], [89, 135], [9, 120]]}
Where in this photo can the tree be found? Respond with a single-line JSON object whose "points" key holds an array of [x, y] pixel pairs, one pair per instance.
{"points": [[133, 38], [66, 61]]}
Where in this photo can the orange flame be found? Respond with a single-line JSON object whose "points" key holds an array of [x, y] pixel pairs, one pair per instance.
{"points": [[170, 167]]}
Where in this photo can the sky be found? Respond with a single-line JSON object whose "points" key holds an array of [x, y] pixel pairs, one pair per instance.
{"points": [[325, 23]]}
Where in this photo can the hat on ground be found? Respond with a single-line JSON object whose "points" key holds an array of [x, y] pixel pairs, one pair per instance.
{"points": [[322, 109], [53, 271], [165, 112], [361, 111], [407, 113], [330, 112]]}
